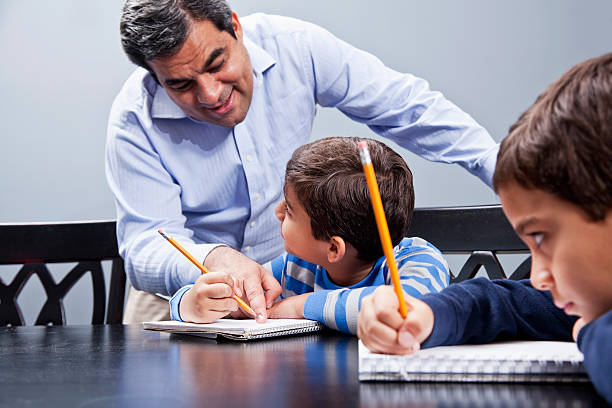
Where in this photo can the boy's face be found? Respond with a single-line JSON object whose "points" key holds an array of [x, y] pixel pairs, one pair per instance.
{"points": [[571, 255], [296, 230]]}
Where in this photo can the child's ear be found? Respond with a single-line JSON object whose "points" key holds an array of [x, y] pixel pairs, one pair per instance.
{"points": [[336, 249]]}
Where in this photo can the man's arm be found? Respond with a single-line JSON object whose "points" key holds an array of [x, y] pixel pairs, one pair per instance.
{"points": [[397, 106], [147, 198]]}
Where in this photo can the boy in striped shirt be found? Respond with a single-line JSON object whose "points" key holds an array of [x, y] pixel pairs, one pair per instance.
{"points": [[333, 253]]}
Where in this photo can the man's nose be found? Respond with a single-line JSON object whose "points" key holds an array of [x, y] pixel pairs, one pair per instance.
{"points": [[209, 91]]}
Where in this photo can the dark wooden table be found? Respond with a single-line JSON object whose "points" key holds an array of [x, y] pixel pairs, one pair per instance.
{"points": [[125, 366]]}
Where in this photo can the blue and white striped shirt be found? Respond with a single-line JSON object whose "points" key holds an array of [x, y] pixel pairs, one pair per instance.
{"points": [[421, 266], [208, 185]]}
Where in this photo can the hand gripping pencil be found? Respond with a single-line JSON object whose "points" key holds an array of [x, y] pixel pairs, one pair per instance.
{"points": [[381, 223], [202, 268]]}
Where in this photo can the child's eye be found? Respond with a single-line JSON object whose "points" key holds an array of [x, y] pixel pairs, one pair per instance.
{"points": [[538, 237]]}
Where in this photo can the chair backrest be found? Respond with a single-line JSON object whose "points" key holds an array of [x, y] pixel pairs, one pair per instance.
{"points": [[483, 232], [34, 245]]}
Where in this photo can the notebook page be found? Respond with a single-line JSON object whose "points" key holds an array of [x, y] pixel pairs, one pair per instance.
{"points": [[509, 350], [232, 326], [502, 361]]}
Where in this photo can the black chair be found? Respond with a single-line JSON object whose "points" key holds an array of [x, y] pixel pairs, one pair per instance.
{"points": [[483, 232], [36, 244]]}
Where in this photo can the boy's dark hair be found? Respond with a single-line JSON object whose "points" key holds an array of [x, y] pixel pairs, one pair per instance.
{"points": [[562, 144], [158, 28], [329, 182]]}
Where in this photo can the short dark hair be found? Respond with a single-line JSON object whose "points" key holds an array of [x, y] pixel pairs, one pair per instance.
{"points": [[562, 144], [329, 182], [158, 28]]}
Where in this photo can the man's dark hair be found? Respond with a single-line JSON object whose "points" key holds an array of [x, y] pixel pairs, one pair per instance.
{"points": [[158, 28], [562, 144], [329, 182]]}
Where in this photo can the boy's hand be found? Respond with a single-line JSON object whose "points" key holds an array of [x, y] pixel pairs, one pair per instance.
{"points": [[210, 298], [580, 323], [290, 308], [382, 329], [257, 284]]}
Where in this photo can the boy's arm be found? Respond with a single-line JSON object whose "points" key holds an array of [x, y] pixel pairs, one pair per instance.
{"points": [[475, 311], [594, 342], [421, 267], [480, 311]]}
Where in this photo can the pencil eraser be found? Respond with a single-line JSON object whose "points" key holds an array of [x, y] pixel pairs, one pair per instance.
{"points": [[363, 144], [161, 231]]}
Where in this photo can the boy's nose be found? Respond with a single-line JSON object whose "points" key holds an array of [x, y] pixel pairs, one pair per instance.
{"points": [[541, 278], [279, 211]]}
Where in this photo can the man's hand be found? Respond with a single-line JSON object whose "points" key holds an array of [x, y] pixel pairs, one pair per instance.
{"points": [[251, 278], [210, 298], [382, 328], [290, 308]]}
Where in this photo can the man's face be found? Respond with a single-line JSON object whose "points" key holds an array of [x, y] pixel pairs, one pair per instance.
{"points": [[296, 230], [210, 77], [571, 255]]}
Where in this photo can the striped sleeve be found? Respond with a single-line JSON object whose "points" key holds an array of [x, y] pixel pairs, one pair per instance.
{"points": [[295, 275], [276, 266], [421, 267], [337, 309]]}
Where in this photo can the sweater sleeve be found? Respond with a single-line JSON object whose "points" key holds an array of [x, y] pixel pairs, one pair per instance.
{"points": [[594, 342], [480, 311]]}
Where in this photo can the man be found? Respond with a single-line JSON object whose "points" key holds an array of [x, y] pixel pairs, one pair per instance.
{"points": [[199, 138]]}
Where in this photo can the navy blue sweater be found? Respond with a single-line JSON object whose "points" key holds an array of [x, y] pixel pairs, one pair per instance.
{"points": [[480, 311]]}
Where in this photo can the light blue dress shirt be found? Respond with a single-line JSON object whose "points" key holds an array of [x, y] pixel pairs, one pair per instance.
{"points": [[207, 185]]}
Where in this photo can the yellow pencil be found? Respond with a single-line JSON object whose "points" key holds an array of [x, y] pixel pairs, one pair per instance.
{"points": [[202, 268], [381, 223]]}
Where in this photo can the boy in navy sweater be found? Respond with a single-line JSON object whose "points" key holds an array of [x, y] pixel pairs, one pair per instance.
{"points": [[554, 179]]}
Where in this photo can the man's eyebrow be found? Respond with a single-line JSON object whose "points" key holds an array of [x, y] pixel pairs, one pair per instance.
{"points": [[213, 55], [520, 228]]}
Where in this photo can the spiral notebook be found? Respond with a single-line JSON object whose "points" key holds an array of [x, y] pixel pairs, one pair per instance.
{"points": [[514, 361], [238, 329]]}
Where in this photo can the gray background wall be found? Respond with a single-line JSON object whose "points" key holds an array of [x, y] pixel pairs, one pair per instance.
{"points": [[62, 64]]}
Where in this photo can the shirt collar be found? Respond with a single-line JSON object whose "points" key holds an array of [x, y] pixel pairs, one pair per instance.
{"points": [[164, 108]]}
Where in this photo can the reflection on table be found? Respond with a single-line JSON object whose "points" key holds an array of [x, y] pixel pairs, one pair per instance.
{"points": [[125, 366]]}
